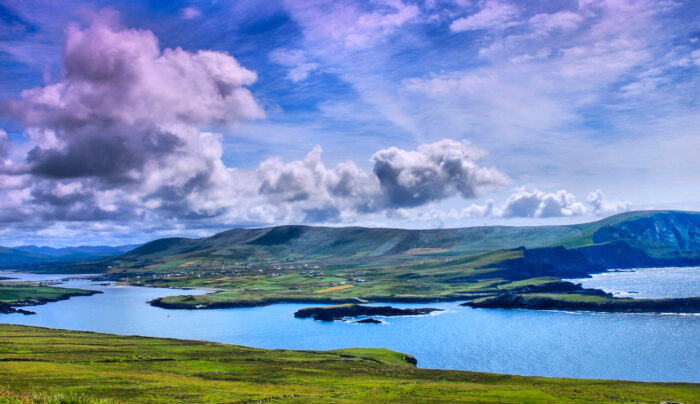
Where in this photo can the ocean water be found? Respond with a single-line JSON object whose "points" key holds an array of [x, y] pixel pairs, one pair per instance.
{"points": [[646, 283], [581, 345]]}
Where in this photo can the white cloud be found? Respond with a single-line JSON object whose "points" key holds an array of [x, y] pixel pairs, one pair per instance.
{"points": [[400, 178], [493, 15], [296, 61], [561, 20], [603, 207], [433, 172], [310, 186], [190, 13], [347, 25], [530, 202], [478, 211]]}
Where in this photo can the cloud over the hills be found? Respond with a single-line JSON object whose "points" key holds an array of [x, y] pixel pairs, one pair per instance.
{"points": [[603, 207], [400, 178], [433, 172], [527, 202]]}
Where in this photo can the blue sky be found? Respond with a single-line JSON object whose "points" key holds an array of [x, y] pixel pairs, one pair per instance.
{"points": [[125, 121]]}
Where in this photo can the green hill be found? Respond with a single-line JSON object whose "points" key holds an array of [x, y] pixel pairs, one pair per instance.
{"points": [[342, 264], [660, 233]]}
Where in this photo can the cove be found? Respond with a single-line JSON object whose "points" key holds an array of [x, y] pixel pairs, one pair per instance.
{"points": [[561, 344]]}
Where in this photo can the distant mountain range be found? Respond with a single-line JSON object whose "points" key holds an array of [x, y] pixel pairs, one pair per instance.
{"points": [[30, 254]]}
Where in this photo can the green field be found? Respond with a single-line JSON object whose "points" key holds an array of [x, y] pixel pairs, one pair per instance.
{"points": [[424, 279], [45, 365], [30, 293]]}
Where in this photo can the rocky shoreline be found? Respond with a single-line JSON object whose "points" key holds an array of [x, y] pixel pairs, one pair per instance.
{"points": [[331, 313], [613, 305], [7, 309]]}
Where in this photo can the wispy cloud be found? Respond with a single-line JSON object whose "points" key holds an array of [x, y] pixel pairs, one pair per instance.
{"points": [[493, 15], [296, 61], [190, 13]]}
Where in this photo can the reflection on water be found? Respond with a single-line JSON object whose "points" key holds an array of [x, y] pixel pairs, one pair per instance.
{"points": [[586, 345]]}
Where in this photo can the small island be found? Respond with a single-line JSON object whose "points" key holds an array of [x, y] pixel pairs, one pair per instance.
{"points": [[368, 321], [342, 311]]}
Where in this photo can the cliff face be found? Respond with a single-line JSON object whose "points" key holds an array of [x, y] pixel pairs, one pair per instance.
{"points": [[579, 262], [678, 231], [655, 240]]}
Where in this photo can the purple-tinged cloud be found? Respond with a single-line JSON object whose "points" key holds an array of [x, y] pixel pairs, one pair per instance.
{"points": [[296, 61], [4, 146], [121, 103], [190, 13], [347, 26], [313, 187], [493, 15]]}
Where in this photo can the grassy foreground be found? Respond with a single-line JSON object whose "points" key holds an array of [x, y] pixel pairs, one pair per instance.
{"points": [[45, 365]]}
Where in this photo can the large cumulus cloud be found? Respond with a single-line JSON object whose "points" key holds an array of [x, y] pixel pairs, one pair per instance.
{"points": [[122, 103], [433, 172], [320, 192], [528, 202], [117, 135], [603, 207], [399, 178]]}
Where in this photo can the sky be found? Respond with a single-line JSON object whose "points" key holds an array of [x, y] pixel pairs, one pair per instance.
{"points": [[122, 122]]}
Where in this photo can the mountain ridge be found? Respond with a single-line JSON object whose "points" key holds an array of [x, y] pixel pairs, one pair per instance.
{"points": [[354, 241]]}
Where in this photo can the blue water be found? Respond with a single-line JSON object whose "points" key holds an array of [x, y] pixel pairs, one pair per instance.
{"points": [[582, 345], [647, 283]]}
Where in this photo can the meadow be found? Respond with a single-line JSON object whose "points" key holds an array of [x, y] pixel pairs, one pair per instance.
{"points": [[58, 366]]}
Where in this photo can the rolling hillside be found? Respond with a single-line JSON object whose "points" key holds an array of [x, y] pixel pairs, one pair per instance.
{"points": [[660, 234]]}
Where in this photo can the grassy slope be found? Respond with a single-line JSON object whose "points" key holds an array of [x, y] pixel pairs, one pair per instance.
{"points": [[38, 362]]}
